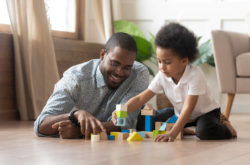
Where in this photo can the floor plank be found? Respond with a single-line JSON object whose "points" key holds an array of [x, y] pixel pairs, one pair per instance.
{"points": [[19, 145]]}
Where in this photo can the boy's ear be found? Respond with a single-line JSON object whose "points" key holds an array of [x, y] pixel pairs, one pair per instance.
{"points": [[102, 53], [185, 61]]}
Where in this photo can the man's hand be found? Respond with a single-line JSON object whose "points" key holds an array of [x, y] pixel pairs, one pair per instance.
{"points": [[164, 138], [114, 118], [88, 123], [67, 130]]}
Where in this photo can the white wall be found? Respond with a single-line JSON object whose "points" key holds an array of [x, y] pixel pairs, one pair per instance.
{"points": [[200, 16]]}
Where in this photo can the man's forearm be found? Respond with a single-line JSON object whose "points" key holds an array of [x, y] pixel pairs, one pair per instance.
{"points": [[45, 127], [110, 127]]}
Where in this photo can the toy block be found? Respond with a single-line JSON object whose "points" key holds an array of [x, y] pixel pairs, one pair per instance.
{"points": [[115, 134], [103, 136], [148, 134], [142, 134], [125, 131], [132, 130], [134, 137], [173, 119], [158, 125], [111, 137], [121, 114], [95, 138], [123, 136], [121, 122], [163, 127], [148, 107], [148, 123], [169, 126], [121, 107], [147, 112], [155, 132]]}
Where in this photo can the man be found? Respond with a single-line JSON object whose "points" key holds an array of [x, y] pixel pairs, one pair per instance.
{"points": [[84, 99]]}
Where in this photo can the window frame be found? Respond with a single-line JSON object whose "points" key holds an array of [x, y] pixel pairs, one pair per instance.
{"points": [[79, 31]]}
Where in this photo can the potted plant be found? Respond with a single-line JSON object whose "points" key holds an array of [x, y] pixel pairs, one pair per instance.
{"points": [[145, 48]]}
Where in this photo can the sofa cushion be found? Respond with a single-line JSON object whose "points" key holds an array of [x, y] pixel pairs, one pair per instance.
{"points": [[243, 65]]}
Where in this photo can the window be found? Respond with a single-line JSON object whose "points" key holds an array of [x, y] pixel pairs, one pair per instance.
{"points": [[4, 17], [64, 16]]}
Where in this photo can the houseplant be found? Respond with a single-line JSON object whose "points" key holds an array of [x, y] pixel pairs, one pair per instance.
{"points": [[145, 48]]}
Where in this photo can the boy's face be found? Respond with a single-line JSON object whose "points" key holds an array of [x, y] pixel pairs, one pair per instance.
{"points": [[116, 65], [170, 64]]}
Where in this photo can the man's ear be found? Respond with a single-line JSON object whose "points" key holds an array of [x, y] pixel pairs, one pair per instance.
{"points": [[102, 53]]}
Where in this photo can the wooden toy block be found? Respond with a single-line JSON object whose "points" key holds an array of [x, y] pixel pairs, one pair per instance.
{"points": [[103, 136], [123, 136], [148, 107], [132, 130], [115, 134], [111, 137], [134, 137], [121, 107], [169, 126], [148, 134], [142, 134], [125, 131], [155, 132], [158, 125], [173, 119], [147, 112], [163, 127], [121, 114], [121, 122], [95, 138], [148, 123]]}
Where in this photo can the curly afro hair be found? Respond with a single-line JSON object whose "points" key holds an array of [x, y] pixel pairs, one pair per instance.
{"points": [[178, 38]]}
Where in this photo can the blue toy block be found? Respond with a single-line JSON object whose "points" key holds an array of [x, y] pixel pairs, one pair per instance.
{"points": [[111, 137], [125, 131], [173, 119], [121, 122], [148, 123], [163, 127], [142, 134]]}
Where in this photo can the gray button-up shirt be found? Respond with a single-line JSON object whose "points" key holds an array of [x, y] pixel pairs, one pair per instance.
{"points": [[83, 87]]}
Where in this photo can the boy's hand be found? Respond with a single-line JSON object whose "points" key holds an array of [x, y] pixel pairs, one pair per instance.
{"points": [[164, 138], [114, 118]]}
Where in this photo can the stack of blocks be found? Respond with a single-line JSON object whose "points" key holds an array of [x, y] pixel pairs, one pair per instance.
{"points": [[121, 114], [166, 126], [148, 111]]}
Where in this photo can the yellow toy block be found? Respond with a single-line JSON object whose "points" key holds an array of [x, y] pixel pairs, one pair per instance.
{"points": [[135, 137], [115, 134]]}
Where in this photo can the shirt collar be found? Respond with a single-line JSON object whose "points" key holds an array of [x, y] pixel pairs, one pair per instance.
{"points": [[99, 78]]}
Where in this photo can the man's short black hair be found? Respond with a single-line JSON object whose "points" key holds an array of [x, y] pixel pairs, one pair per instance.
{"points": [[178, 38], [122, 40]]}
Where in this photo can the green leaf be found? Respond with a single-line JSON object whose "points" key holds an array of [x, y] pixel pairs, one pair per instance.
{"points": [[144, 49], [127, 27]]}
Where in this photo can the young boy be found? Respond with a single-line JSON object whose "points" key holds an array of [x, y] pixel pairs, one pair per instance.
{"points": [[185, 86]]}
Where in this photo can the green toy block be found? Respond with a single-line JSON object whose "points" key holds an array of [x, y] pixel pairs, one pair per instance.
{"points": [[121, 114]]}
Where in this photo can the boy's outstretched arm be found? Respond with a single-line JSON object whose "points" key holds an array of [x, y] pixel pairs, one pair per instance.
{"points": [[186, 111], [136, 102]]}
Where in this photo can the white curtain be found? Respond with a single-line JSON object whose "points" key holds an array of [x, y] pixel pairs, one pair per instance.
{"points": [[35, 62], [103, 16]]}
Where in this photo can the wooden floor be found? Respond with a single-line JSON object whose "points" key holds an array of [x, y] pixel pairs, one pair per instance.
{"points": [[19, 145]]}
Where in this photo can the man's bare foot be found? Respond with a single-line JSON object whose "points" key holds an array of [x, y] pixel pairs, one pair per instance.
{"points": [[226, 122], [188, 131]]}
